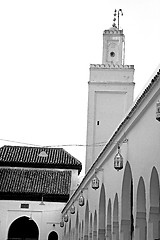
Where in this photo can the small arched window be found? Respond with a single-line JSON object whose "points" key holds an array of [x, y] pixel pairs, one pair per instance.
{"points": [[53, 236]]}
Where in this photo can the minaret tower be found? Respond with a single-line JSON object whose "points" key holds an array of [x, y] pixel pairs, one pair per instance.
{"points": [[110, 92]]}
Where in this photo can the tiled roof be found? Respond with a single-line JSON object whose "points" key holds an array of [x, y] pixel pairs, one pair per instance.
{"points": [[34, 181], [38, 157]]}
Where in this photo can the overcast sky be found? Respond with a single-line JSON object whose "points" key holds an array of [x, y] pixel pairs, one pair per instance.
{"points": [[46, 48]]}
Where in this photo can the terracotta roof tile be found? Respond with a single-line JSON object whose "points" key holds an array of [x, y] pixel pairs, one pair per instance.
{"points": [[34, 181], [38, 157]]}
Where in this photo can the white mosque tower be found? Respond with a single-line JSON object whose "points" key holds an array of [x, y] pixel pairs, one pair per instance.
{"points": [[110, 92]]}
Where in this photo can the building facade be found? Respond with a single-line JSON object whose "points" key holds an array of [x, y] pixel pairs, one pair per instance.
{"points": [[119, 196], [110, 93], [35, 184]]}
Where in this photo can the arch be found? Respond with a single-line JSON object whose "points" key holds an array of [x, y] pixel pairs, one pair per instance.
{"points": [[77, 224], [69, 230], [86, 222], [95, 226], [154, 188], [141, 196], [115, 209], [53, 236], [109, 224], [154, 216], [73, 234], [22, 228], [82, 229], [141, 209], [127, 204], [64, 232], [79, 231], [116, 218], [90, 228], [102, 214]]}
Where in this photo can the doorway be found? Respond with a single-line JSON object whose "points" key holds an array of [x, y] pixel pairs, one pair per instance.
{"points": [[53, 236], [23, 228]]}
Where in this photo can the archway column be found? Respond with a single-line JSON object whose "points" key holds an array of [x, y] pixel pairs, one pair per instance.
{"points": [[86, 226], [101, 234], [126, 229], [127, 204], [90, 229], [154, 218], [109, 225], [141, 226], [66, 238], [90, 236], [102, 214], [79, 232], [81, 237], [109, 233], [85, 237], [150, 231], [154, 215], [94, 235], [115, 235]]}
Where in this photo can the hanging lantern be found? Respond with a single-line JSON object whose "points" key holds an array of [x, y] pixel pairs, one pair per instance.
{"points": [[72, 209], [118, 160], [158, 111], [61, 224], [81, 200], [95, 182], [66, 217]]}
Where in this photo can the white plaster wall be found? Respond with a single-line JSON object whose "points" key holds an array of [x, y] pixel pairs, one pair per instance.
{"points": [[74, 181], [109, 109], [110, 91], [43, 215], [142, 151], [112, 42], [112, 74]]}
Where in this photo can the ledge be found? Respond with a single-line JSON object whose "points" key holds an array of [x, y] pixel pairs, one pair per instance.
{"points": [[111, 66], [113, 31]]}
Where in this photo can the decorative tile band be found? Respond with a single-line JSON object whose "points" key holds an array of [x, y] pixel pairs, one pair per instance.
{"points": [[111, 65], [113, 31]]}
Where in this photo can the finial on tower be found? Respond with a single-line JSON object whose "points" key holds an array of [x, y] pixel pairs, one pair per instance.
{"points": [[117, 13], [114, 19]]}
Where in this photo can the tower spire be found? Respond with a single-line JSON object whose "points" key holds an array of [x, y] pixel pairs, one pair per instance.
{"points": [[114, 19], [110, 91], [117, 14]]}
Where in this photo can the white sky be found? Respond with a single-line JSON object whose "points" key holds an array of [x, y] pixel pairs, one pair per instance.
{"points": [[46, 48]]}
